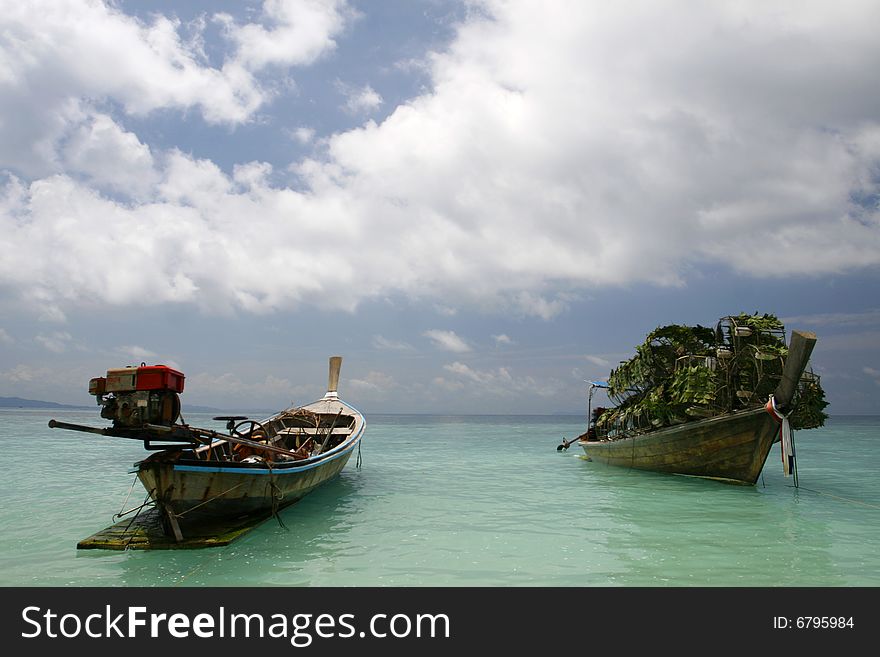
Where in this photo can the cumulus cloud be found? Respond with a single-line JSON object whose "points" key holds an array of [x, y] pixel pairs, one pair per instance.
{"points": [[294, 34], [110, 156], [56, 342], [385, 344], [447, 341], [231, 389], [375, 385], [502, 339], [58, 60], [497, 382], [559, 148], [136, 353], [362, 100], [303, 135], [22, 374]]}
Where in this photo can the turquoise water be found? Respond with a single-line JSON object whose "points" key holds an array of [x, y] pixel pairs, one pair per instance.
{"points": [[461, 501]]}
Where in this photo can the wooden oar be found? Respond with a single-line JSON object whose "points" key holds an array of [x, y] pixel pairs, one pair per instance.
{"points": [[330, 432]]}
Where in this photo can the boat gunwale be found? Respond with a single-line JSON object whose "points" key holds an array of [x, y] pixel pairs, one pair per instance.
{"points": [[276, 467]]}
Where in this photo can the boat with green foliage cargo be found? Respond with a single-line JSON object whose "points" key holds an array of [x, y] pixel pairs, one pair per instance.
{"points": [[708, 402], [201, 478]]}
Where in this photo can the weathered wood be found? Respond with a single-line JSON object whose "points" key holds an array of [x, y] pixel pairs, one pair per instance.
{"points": [[732, 447], [333, 380], [799, 350], [145, 532], [329, 432], [259, 446], [205, 485]]}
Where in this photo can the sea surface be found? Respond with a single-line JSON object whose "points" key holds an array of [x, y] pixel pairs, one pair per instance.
{"points": [[460, 501]]}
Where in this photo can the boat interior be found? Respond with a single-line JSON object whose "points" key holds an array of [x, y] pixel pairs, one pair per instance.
{"points": [[291, 435]]}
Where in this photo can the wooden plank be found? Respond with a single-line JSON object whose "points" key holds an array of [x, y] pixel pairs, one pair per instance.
{"points": [[145, 533]]}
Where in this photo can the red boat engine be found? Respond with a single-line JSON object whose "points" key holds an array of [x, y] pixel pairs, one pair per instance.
{"points": [[134, 397]]}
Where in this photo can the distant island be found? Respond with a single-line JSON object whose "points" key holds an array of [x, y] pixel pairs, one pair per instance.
{"points": [[18, 402]]}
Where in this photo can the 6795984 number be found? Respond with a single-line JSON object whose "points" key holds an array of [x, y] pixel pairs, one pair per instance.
{"points": [[824, 622]]}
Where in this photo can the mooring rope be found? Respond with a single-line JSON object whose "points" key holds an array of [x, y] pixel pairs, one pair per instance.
{"points": [[277, 495], [840, 497], [121, 513], [219, 495], [147, 502]]}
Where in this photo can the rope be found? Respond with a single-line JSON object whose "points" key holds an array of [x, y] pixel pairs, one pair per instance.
{"points": [[842, 499], [117, 516], [358, 462], [131, 522], [180, 515], [786, 436], [277, 495]]}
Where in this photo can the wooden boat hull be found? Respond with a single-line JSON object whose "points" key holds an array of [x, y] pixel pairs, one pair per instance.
{"points": [[195, 491], [191, 487], [731, 447]]}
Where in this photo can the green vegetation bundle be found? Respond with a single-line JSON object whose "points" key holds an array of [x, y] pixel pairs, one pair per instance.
{"points": [[681, 373]]}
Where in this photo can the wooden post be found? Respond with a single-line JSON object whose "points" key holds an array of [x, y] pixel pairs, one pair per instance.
{"points": [[335, 366], [802, 343], [172, 520]]}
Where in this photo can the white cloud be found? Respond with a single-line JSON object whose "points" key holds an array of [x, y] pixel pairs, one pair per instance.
{"points": [[624, 151], [298, 32], [560, 148], [5, 338], [497, 382], [537, 306], [22, 374], [597, 360], [59, 59], [137, 354], [385, 344], [303, 135], [232, 390], [374, 385], [502, 339], [56, 342], [110, 156], [361, 101], [447, 341]]}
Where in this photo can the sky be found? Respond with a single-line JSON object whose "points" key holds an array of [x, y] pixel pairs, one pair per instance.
{"points": [[480, 205]]}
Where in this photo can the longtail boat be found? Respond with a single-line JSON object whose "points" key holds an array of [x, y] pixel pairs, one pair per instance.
{"points": [[199, 475], [714, 411]]}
